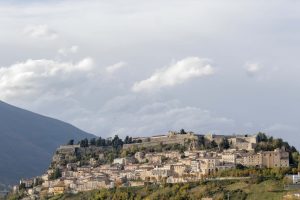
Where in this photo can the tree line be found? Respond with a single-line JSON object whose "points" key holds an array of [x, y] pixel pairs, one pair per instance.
{"points": [[115, 142]]}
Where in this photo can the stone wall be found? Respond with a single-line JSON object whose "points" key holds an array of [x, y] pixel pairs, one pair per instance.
{"points": [[171, 138]]}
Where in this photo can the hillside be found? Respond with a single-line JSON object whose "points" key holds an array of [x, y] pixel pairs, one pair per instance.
{"points": [[191, 166], [252, 189], [28, 141]]}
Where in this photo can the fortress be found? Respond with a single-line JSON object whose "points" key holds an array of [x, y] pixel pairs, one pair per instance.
{"points": [[241, 142], [171, 138], [76, 168]]}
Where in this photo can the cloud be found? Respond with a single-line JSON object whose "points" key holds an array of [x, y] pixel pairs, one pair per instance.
{"points": [[253, 68], [134, 115], [34, 77], [115, 67], [175, 74], [66, 51], [40, 31], [205, 28]]}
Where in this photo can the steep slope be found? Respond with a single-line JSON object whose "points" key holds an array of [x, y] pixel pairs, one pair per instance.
{"points": [[28, 140]]}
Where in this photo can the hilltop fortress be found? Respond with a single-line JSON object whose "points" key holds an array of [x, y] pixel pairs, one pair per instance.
{"points": [[170, 138], [240, 142], [177, 157]]}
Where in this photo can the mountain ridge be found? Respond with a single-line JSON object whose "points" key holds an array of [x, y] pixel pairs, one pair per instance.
{"points": [[28, 141]]}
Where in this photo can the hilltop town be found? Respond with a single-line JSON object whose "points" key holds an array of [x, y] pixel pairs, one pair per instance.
{"points": [[177, 157]]}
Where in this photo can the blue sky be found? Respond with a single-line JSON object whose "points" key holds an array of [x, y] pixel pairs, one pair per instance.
{"points": [[143, 68]]}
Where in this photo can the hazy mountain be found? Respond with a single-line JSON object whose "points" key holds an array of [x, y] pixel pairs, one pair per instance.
{"points": [[28, 140]]}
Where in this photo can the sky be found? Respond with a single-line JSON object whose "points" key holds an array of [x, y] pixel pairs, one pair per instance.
{"points": [[143, 68]]}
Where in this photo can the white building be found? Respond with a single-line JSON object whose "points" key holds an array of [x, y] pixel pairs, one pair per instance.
{"points": [[229, 158], [120, 161], [296, 178]]}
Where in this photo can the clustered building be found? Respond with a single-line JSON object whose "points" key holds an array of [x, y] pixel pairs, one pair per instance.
{"points": [[156, 167]]}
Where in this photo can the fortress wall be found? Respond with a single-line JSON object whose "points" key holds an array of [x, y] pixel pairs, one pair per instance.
{"points": [[155, 143]]}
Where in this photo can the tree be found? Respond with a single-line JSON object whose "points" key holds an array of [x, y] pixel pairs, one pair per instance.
{"points": [[213, 144], [201, 140], [101, 142], [299, 163], [277, 143], [182, 131], [270, 139], [71, 142], [84, 143], [117, 142], [93, 142], [240, 166], [126, 141], [261, 137], [224, 144], [98, 141], [56, 174], [22, 186]]}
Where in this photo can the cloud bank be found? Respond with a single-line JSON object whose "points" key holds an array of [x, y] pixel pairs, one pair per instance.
{"points": [[129, 115], [35, 77], [147, 38], [175, 74]]}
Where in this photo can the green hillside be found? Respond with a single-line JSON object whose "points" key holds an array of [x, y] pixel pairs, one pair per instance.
{"points": [[271, 189]]}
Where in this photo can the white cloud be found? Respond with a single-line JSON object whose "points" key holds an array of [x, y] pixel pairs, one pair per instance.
{"points": [[34, 77], [175, 74], [40, 31], [115, 67], [145, 36], [253, 68], [66, 51]]}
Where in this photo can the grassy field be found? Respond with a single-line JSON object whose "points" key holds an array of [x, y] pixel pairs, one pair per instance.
{"points": [[236, 190], [270, 189]]}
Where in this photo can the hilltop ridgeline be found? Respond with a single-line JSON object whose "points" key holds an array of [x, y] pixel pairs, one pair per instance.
{"points": [[178, 157]]}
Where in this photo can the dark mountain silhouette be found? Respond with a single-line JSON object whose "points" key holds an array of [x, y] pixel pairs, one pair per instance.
{"points": [[28, 140]]}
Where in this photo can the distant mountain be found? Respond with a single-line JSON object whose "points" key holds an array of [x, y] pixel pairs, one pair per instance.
{"points": [[28, 140]]}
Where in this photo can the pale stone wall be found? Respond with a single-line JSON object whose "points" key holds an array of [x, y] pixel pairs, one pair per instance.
{"points": [[269, 159], [171, 138]]}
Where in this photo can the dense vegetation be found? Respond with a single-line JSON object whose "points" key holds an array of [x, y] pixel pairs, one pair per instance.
{"points": [[115, 142], [204, 144]]}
